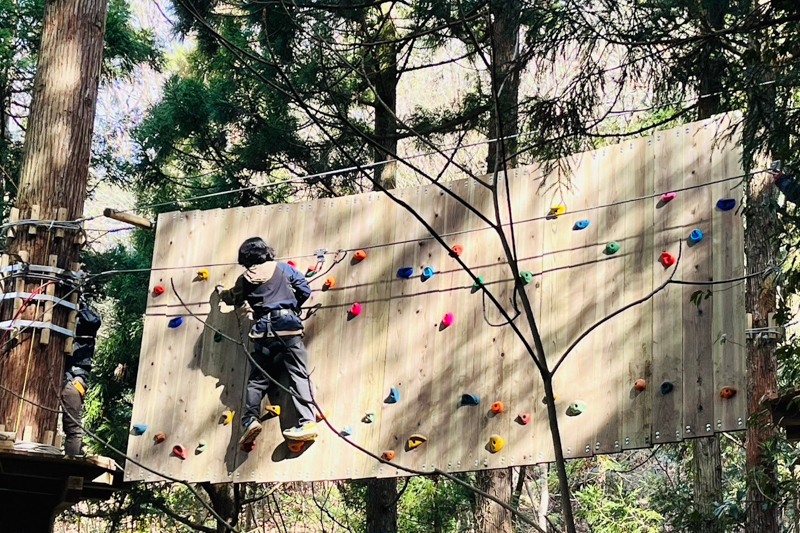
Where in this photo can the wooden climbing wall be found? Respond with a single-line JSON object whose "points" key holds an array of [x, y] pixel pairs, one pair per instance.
{"points": [[187, 378]]}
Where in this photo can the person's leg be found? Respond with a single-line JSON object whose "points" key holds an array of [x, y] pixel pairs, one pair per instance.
{"points": [[73, 403], [257, 384], [296, 362]]}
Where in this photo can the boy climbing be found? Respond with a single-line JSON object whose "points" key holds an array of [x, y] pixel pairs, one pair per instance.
{"points": [[275, 292]]}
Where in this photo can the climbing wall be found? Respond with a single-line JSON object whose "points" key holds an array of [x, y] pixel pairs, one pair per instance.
{"points": [[655, 373]]}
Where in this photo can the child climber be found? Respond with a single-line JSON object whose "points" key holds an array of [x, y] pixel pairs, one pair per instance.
{"points": [[275, 292]]}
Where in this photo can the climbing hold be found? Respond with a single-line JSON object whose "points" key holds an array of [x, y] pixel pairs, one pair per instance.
{"points": [[447, 320], [180, 451], [201, 447], [291, 264], [576, 408], [667, 387], [297, 446], [159, 438], [667, 196], [346, 431], [322, 416], [696, 236], [202, 274], [427, 273], [175, 322], [329, 283], [217, 336], [416, 440], [158, 290], [727, 392], [726, 204], [457, 250], [612, 248], [360, 255], [524, 418], [272, 411], [470, 399], [405, 272], [544, 399], [496, 443], [139, 429], [498, 407], [388, 455], [557, 210], [247, 447], [477, 285], [394, 396], [667, 259], [526, 276], [639, 385], [369, 417], [227, 417], [581, 224], [311, 271], [355, 309]]}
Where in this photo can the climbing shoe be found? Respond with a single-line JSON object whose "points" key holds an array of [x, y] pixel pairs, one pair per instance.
{"points": [[307, 431], [251, 431]]}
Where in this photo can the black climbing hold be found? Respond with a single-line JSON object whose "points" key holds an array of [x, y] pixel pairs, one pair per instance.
{"points": [[667, 387]]}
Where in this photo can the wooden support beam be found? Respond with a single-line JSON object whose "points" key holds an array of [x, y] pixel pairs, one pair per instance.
{"points": [[34, 216], [133, 220], [62, 217], [44, 338], [13, 217]]}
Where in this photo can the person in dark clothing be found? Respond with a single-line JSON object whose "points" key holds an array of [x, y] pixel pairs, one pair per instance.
{"points": [[275, 292], [76, 374]]}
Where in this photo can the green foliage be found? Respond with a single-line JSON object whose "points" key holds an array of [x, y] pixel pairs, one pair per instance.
{"points": [[616, 510]]}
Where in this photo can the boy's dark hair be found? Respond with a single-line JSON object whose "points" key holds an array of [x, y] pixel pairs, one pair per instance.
{"points": [[255, 251]]}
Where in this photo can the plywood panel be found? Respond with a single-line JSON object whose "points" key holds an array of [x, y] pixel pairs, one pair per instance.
{"points": [[187, 378]]}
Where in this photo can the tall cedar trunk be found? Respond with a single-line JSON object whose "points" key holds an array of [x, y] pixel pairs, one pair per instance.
{"points": [[761, 225], [707, 459], [381, 505], [503, 122], [384, 78], [54, 173], [226, 502]]}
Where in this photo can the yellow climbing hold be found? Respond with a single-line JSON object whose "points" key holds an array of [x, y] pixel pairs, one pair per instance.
{"points": [[202, 274], [274, 410], [496, 443], [416, 440], [557, 210], [227, 417]]}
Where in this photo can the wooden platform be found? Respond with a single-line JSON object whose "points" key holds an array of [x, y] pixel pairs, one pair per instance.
{"points": [[691, 337]]}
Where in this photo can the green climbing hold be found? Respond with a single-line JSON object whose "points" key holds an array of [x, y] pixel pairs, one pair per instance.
{"points": [[217, 337], [612, 247], [201, 447], [526, 276], [477, 285], [576, 408]]}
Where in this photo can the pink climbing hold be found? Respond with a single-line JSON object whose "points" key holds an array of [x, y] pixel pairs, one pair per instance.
{"points": [[447, 320], [355, 309], [666, 197]]}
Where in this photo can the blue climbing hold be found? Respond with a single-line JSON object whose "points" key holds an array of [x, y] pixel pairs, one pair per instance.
{"points": [[176, 322], [696, 236], [581, 224], [405, 272], [139, 429], [346, 431], [470, 399], [427, 273], [394, 396], [726, 204], [667, 387]]}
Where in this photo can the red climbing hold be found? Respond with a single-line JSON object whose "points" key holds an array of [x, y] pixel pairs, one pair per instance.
{"points": [[247, 447], [159, 438], [727, 392], [291, 264], [667, 259], [498, 407], [457, 250], [639, 385], [447, 320], [180, 451], [524, 418], [158, 290], [297, 446], [360, 255], [355, 309]]}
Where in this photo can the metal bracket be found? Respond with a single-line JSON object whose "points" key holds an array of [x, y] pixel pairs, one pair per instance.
{"points": [[35, 324], [320, 252], [772, 332], [41, 297]]}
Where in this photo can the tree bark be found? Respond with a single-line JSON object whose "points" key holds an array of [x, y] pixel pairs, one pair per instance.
{"points": [[544, 499], [225, 500], [54, 174], [490, 517], [707, 481], [381, 505], [384, 78]]}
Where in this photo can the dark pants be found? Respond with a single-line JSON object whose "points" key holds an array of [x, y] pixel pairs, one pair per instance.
{"points": [[73, 403], [276, 356]]}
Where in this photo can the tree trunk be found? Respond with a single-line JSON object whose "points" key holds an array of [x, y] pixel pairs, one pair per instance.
{"points": [[707, 481], [384, 78], [381, 505], [490, 517], [761, 225], [54, 173], [544, 499], [225, 500]]}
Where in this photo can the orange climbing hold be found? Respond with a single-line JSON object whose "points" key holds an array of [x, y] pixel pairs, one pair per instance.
{"points": [[329, 283], [360, 255], [159, 438], [180, 451], [457, 250], [498, 407], [667, 259], [640, 385], [727, 392], [297, 446], [323, 416], [388, 455]]}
